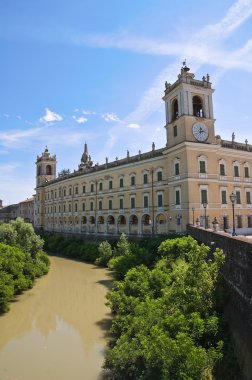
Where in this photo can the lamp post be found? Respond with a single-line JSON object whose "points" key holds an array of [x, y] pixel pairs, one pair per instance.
{"points": [[205, 206], [233, 200], [193, 209]]}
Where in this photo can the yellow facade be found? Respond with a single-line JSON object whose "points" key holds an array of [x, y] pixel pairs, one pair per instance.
{"points": [[159, 191]]}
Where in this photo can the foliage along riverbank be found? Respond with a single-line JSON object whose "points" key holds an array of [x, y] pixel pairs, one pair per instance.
{"points": [[167, 304], [21, 260]]}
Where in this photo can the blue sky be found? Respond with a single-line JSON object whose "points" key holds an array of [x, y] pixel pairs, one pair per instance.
{"points": [[94, 71]]}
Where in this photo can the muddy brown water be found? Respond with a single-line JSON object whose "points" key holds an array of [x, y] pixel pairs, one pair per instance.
{"points": [[57, 330]]}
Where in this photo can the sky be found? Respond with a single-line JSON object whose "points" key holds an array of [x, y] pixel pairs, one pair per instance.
{"points": [[94, 71]]}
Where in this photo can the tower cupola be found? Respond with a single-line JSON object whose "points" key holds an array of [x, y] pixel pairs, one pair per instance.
{"points": [[189, 109], [46, 167]]}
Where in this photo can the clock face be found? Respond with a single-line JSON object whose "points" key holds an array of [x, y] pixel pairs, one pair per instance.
{"points": [[200, 131]]}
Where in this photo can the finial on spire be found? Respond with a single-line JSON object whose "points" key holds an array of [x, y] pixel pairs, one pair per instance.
{"points": [[184, 68]]}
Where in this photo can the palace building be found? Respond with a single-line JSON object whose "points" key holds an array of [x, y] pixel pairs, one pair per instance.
{"points": [[189, 180]]}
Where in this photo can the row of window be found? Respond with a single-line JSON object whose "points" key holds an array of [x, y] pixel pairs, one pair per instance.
{"points": [[224, 197], [146, 204], [222, 169], [75, 191]]}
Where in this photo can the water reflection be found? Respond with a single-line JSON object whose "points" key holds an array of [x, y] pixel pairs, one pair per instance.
{"points": [[57, 330]]}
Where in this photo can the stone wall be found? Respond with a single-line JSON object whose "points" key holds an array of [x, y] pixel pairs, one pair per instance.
{"points": [[238, 274]]}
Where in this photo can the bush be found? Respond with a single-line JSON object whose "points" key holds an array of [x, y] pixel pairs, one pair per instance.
{"points": [[165, 324], [105, 254], [19, 268], [20, 234]]}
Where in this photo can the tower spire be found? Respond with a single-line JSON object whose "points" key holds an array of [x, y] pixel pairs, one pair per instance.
{"points": [[84, 158]]}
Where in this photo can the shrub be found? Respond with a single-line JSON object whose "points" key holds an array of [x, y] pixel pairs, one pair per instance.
{"points": [[105, 254]]}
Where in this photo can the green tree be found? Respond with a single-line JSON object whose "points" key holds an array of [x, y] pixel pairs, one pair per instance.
{"points": [[105, 254], [20, 234], [165, 325], [27, 239]]}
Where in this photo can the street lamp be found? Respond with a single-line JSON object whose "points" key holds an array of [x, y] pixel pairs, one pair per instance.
{"points": [[233, 200], [205, 206], [193, 209]]}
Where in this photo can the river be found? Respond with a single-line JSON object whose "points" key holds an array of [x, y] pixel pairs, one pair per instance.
{"points": [[56, 331]]}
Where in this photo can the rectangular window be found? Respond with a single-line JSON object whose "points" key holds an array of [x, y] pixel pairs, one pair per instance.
{"points": [[76, 190], [100, 186], [91, 206], [54, 208], [76, 207], [121, 182], [222, 169], [55, 194], [83, 189], [145, 178], [110, 184], [236, 171], [175, 131], [224, 197], [69, 207], [246, 172], [100, 205], [177, 168], [70, 191], [238, 197], [146, 201], [92, 188], [132, 202], [59, 208], [110, 204], [83, 206], [249, 221], [159, 176], [248, 198], [177, 197], [121, 203], [59, 193], [204, 196], [64, 208], [202, 167], [160, 200], [132, 181], [64, 192]]}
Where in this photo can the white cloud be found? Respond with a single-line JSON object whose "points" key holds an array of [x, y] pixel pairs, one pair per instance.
{"points": [[133, 126], [80, 120], [110, 117], [18, 138], [84, 112], [18, 117], [50, 116], [198, 50]]}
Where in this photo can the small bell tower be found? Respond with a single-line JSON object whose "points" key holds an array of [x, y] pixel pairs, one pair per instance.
{"points": [[46, 167], [189, 109]]}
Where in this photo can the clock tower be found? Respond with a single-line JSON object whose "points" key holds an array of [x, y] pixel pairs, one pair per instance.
{"points": [[189, 109]]}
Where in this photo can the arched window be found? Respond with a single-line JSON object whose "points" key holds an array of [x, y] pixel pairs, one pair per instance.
{"points": [[197, 106], [48, 170], [175, 109]]}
